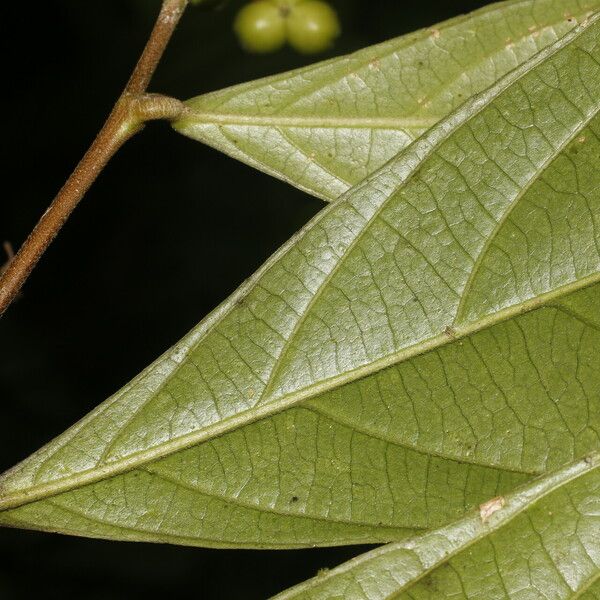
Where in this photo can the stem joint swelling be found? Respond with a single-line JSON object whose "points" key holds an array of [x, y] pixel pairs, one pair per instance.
{"points": [[128, 116], [135, 110]]}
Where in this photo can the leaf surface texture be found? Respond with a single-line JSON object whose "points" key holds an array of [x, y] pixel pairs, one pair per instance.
{"points": [[539, 542], [326, 127], [428, 341]]}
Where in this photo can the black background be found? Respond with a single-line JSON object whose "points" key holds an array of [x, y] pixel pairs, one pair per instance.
{"points": [[167, 232]]}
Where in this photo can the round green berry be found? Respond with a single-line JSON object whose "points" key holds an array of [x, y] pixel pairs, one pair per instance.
{"points": [[260, 27], [312, 26], [285, 6]]}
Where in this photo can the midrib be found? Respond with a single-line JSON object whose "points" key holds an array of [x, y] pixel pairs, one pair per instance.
{"points": [[516, 503], [247, 417], [307, 122], [95, 474]]}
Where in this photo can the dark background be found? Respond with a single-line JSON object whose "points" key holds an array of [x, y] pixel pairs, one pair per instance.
{"points": [[167, 232]]}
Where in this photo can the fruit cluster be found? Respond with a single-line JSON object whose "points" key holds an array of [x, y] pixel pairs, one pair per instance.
{"points": [[309, 26]]}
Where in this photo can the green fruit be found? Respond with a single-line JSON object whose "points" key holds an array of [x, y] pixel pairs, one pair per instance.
{"points": [[260, 27], [312, 26]]}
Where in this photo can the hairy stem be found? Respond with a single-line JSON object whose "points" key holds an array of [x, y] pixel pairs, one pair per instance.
{"points": [[131, 111]]}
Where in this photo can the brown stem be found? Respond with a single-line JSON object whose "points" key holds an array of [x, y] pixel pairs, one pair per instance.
{"points": [[131, 111], [159, 38]]}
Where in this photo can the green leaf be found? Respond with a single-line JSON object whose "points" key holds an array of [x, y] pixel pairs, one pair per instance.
{"points": [[542, 541], [426, 342], [326, 127]]}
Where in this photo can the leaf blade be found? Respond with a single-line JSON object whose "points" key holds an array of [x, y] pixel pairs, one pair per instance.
{"points": [[415, 567], [327, 127], [227, 375]]}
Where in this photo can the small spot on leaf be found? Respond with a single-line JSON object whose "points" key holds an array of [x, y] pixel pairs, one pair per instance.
{"points": [[449, 331], [487, 509]]}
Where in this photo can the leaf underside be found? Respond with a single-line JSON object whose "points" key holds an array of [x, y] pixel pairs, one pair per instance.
{"points": [[326, 127], [539, 542], [428, 341]]}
